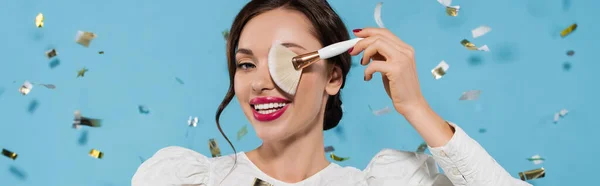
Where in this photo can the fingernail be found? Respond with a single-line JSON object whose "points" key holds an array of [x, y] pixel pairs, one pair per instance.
{"points": [[350, 50], [356, 30]]}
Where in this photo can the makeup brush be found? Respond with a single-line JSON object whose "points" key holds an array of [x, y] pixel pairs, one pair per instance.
{"points": [[286, 66]]}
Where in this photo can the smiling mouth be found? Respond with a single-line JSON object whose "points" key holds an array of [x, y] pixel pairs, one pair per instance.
{"points": [[268, 108]]}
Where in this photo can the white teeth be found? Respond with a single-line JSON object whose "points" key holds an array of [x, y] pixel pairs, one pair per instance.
{"points": [[269, 106], [267, 111]]}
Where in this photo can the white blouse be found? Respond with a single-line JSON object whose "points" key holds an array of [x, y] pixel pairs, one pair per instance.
{"points": [[463, 160]]}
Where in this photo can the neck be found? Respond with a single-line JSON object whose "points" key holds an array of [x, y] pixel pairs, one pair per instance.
{"points": [[292, 160]]}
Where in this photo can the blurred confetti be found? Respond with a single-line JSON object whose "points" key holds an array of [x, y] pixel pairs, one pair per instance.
{"points": [[49, 86], [422, 147], [96, 154], [39, 20], [17, 172], [568, 30], [33, 105], [480, 31], [470, 95], [26, 88], [142, 160], [193, 122], [215, 151], [81, 73], [472, 46], [340, 132], [242, 132], [560, 114], [536, 159], [179, 80], [532, 174], [259, 182], [101, 52], [378, 15], [51, 53], [83, 138], [9, 154], [566, 66], [570, 53], [450, 10], [566, 4], [54, 63], [337, 158], [475, 60], [440, 70], [80, 120], [84, 38], [225, 34], [380, 112], [482, 130], [143, 109], [343, 110], [329, 149]]}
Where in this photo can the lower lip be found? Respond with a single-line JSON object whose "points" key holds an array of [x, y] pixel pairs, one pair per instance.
{"points": [[271, 116]]}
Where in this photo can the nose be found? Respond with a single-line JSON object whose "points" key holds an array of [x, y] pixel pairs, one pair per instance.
{"points": [[262, 80]]}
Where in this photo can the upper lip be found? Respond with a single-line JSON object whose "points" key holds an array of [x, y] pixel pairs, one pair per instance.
{"points": [[268, 99]]}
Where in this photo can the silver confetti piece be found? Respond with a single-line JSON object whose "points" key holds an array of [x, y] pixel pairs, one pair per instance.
{"points": [[470, 95]]}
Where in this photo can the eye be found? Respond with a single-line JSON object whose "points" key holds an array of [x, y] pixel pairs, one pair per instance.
{"points": [[245, 65]]}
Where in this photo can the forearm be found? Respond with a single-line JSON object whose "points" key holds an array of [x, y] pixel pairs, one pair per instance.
{"points": [[435, 130]]}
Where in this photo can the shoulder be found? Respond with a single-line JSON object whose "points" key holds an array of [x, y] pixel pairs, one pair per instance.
{"points": [[401, 166], [173, 165]]}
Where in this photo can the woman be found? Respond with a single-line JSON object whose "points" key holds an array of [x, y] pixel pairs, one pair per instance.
{"points": [[291, 127]]}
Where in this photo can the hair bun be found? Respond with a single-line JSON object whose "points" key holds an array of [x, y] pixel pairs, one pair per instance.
{"points": [[333, 112]]}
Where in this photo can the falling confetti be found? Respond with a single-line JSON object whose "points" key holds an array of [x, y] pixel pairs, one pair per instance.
{"points": [[193, 122], [225, 34], [422, 147], [450, 10], [567, 66], [51, 53], [17, 172], [84, 38], [482, 130], [536, 159], [101, 52], [142, 160], [259, 182], [472, 46], [570, 53], [9, 154], [343, 110], [560, 114], [329, 149], [337, 158], [179, 80], [26, 88], [143, 109], [96, 154], [568, 30], [532, 174], [440, 70], [378, 15], [49, 86], [39, 20], [480, 31], [380, 112], [470, 95], [242, 132], [80, 120], [81, 73], [214, 148]]}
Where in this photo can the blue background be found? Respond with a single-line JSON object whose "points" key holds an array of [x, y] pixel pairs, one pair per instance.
{"points": [[148, 44]]}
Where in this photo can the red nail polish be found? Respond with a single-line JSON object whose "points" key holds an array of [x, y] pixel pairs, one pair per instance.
{"points": [[350, 50], [356, 30]]}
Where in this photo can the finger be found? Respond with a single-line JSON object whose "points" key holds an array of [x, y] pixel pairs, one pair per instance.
{"points": [[366, 42], [380, 47], [368, 32], [376, 66]]}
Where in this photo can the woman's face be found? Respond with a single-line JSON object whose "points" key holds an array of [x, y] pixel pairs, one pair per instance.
{"points": [[280, 116]]}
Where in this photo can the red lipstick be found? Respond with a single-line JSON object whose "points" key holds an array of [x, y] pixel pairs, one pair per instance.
{"points": [[267, 100]]}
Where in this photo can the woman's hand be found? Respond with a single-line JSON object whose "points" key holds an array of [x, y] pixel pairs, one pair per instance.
{"points": [[395, 60]]}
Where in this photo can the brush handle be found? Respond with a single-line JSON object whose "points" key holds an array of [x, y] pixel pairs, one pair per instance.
{"points": [[337, 48]]}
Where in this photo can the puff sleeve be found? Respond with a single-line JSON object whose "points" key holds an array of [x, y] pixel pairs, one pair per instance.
{"points": [[173, 166], [393, 167]]}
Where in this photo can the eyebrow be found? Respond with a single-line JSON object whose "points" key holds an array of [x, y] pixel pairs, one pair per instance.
{"points": [[249, 52]]}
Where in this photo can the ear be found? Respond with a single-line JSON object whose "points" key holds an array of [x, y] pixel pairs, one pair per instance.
{"points": [[335, 80]]}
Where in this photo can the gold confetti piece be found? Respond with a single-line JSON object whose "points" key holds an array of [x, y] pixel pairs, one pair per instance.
{"points": [[80, 120], [329, 149], [422, 147], [101, 52], [81, 73], [51, 53], [242, 132], [536, 159], [480, 31], [337, 158], [193, 122], [96, 154], [450, 10], [570, 53], [26, 88], [568, 30], [214, 148], [380, 112], [225, 34], [259, 182], [440, 70], [378, 15], [472, 46], [470, 95], [532, 174], [39, 20], [9, 154], [84, 38]]}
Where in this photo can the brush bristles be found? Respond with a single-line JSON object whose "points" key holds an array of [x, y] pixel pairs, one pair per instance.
{"points": [[285, 76]]}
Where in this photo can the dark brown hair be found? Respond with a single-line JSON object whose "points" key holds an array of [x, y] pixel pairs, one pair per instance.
{"points": [[327, 27]]}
